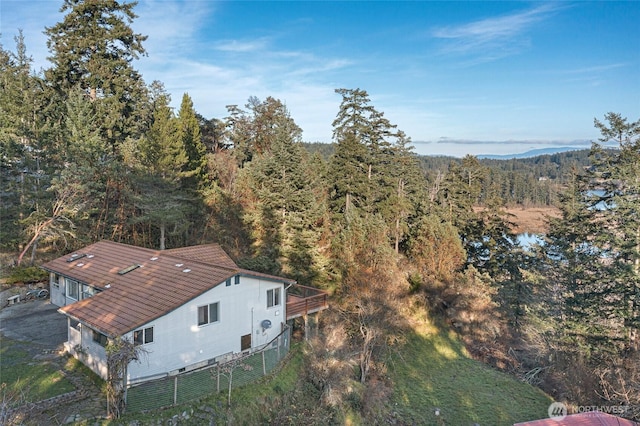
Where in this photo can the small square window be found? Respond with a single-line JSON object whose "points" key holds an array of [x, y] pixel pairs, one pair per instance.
{"points": [[143, 336], [273, 297], [99, 338], [208, 314]]}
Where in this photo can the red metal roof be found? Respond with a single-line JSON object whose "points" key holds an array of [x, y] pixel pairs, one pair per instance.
{"points": [[162, 282], [593, 418], [211, 254]]}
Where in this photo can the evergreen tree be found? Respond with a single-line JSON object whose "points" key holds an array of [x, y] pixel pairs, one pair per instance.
{"points": [[569, 260], [93, 49], [284, 210], [617, 211], [194, 171], [348, 176], [159, 194], [27, 156], [162, 151], [597, 242]]}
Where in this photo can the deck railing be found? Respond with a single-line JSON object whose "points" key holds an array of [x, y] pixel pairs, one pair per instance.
{"points": [[303, 300]]}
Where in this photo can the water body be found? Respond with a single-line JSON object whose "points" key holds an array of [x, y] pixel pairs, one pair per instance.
{"points": [[527, 241]]}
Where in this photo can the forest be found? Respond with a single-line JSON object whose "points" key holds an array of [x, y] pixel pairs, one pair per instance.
{"points": [[90, 151]]}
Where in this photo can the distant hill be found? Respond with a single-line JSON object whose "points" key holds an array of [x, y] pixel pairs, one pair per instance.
{"points": [[530, 154]]}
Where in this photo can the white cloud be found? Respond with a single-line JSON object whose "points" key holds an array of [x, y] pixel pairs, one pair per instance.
{"points": [[241, 46], [492, 38]]}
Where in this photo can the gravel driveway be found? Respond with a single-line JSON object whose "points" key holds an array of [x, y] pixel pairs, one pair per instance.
{"points": [[36, 321]]}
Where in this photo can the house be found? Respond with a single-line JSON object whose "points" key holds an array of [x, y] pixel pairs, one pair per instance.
{"points": [[187, 307]]}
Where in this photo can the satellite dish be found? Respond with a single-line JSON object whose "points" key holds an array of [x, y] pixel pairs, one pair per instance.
{"points": [[266, 324]]}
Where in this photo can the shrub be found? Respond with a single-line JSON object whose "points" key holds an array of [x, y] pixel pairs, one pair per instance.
{"points": [[27, 275]]}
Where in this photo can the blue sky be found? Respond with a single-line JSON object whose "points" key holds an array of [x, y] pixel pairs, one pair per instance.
{"points": [[458, 77]]}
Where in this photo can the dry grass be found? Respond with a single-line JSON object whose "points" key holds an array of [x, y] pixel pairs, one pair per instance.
{"points": [[529, 220], [533, 220]]}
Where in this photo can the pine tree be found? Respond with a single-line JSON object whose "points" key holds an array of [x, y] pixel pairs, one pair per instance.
{"points": [[597, 242], [617, 211], [93, 49], [28, 155], [348, 176], [162, 151], [570, 261], [194, 170], [283, 208], [159, 195]]}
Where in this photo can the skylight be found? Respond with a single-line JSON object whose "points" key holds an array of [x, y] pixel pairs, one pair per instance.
{"points": [[75, 256], [128, 269]]}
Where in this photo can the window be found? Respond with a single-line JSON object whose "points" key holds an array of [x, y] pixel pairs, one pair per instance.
{"points": [[143, 336], [55, 280], [208, 313], [72, 289], [228, 282], [273, 297], [99, 338], [237, 279], [87, 291]]}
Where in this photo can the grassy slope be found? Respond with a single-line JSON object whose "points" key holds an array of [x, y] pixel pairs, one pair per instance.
{"points": [[433, 371], [33, 381]]}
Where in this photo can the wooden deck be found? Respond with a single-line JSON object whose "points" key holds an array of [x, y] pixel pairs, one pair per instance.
{"points": [[303, 300]]}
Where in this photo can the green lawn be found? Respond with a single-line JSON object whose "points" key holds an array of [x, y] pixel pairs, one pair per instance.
{"points": [[433, 372], [28, 379]]}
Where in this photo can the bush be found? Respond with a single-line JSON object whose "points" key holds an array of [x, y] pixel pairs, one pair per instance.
{"points": [[27, 275]]}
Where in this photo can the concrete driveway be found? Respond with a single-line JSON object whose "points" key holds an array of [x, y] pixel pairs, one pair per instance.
{"points": [[36, 321]]}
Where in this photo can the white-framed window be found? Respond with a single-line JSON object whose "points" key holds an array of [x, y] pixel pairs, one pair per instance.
{"points": [[55, 280], [143, 336], [208, 314], [273, 297], [73, 289]]}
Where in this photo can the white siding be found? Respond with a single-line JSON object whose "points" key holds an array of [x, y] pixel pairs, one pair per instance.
{"points": [[82, 346], [180, 343], [56, 289]]}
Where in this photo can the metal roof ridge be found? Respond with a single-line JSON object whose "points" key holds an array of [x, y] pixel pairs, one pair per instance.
{"points": [[265, 275], [188, 260]]}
